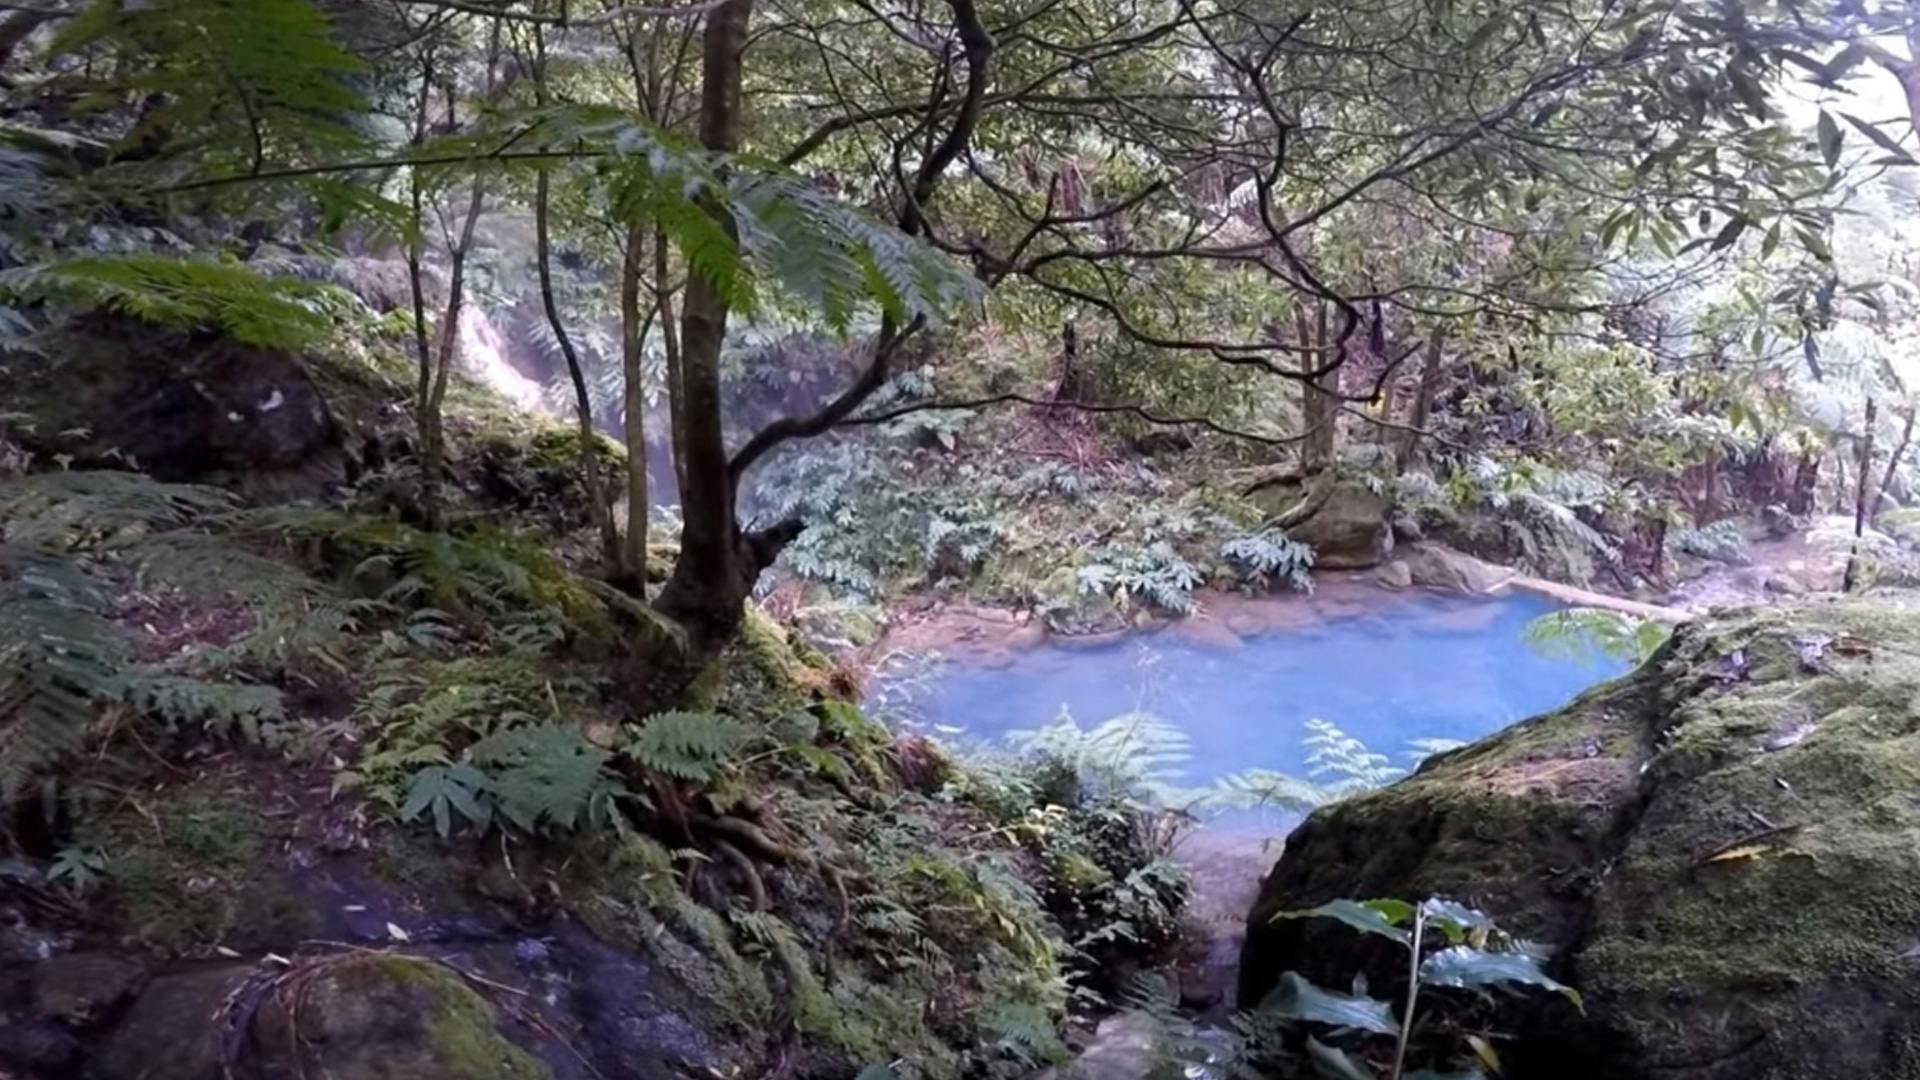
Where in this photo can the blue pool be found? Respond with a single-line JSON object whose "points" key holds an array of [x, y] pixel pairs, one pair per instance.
{"points": [[1423, 668]]}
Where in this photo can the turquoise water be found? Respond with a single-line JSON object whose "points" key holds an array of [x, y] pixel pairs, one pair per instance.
{"points": [[1427, 668]]}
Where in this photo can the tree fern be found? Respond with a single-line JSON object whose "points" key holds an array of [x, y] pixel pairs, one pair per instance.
{"points": [[183, 293], [246, 83]]}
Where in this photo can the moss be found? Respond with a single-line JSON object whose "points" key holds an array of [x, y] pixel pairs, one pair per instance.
{"points": [[396, 1018], [559, 447], [185, 868], [1725, 847]]}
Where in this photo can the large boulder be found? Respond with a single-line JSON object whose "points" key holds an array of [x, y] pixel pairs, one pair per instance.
{"points": [[1348, 524], [111, 391], [1721, 849], [1437, 566]]}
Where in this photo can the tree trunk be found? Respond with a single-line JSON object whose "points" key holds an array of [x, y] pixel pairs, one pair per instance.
{"points": [[433, 436], [715, 571], [1326, 392], [1852, 576], [670, 342], [599, 507], [1893, 462], [633, 339], [1409, 448], [1313, 452]]}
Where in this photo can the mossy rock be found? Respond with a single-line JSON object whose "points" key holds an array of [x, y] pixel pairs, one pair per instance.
{"points": [[1723, 849], [392, 1017]]}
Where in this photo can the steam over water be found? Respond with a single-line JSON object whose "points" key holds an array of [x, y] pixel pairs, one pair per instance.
{"points": [[1426, 668]]}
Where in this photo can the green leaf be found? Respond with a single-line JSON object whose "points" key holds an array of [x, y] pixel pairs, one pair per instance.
{"points": [[1382, 917], [1454, 919], [1297, 999], [1332, 1063], [1729, 232], [1880, 138], [1466, 968], [1828, 131]]}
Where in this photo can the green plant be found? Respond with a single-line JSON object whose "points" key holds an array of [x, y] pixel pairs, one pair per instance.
{"points": [[1155, 573], [1577, 633], [532, 778], [80, 866], [690, 746], [1449, 947], [1268, 556], [186, 293]]}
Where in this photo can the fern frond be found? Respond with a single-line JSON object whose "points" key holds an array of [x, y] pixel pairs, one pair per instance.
{"points": [[688, 745], [189, 294]]}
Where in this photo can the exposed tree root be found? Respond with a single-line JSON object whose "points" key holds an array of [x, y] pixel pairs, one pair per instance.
{"points": [[751, 838], [749, 877]]}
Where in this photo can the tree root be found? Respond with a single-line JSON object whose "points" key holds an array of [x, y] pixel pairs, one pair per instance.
{"points": [[751, 838], [750, 877]]}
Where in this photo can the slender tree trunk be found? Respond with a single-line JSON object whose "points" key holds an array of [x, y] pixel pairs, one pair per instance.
{"points": [[715, 570], [670, 343], [416, 242], [432, 429], [599, 506], [1328, 384], [1893, 462], [433, 384], [1312, 455], [1852, 576], [1409, 448], [633, 340]]}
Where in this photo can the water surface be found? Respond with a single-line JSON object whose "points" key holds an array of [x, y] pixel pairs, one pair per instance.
{"points": [[1421, 668]]}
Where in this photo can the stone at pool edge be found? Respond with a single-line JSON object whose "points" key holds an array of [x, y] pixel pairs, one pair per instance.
{"points": [[1579, 830]]}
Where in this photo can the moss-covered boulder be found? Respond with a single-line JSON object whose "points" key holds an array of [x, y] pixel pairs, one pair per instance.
{"points": [[1722, 850], [354, 1016], [1346, 522]]}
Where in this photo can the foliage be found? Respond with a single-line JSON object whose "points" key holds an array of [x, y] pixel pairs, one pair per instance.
{"points": [[1449, 946], [190, 294], [1577, 633], [1339, 766], [69, 545], [1269, 556], [686, 745], [532, 778], [1722, 541], [1155, 573]]}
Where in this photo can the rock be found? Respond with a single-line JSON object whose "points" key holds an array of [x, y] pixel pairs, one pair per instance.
{"points": [[374, 1017], [1785, 585], [84, 987], [182, 407], [169, 1033], [1594, 831], [1394, 575], [1207, 632], [1436, 566], [1351, 529], [39, 1046]]}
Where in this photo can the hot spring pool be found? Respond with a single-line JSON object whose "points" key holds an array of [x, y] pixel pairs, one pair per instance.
{"points": [[1419, 668]]}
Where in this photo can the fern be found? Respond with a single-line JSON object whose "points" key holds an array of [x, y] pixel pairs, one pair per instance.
{"points": [[1137, 754], [547, 776], [188, 294], [687, 745], [218, 708], [243, 84], [1577, 633]]}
